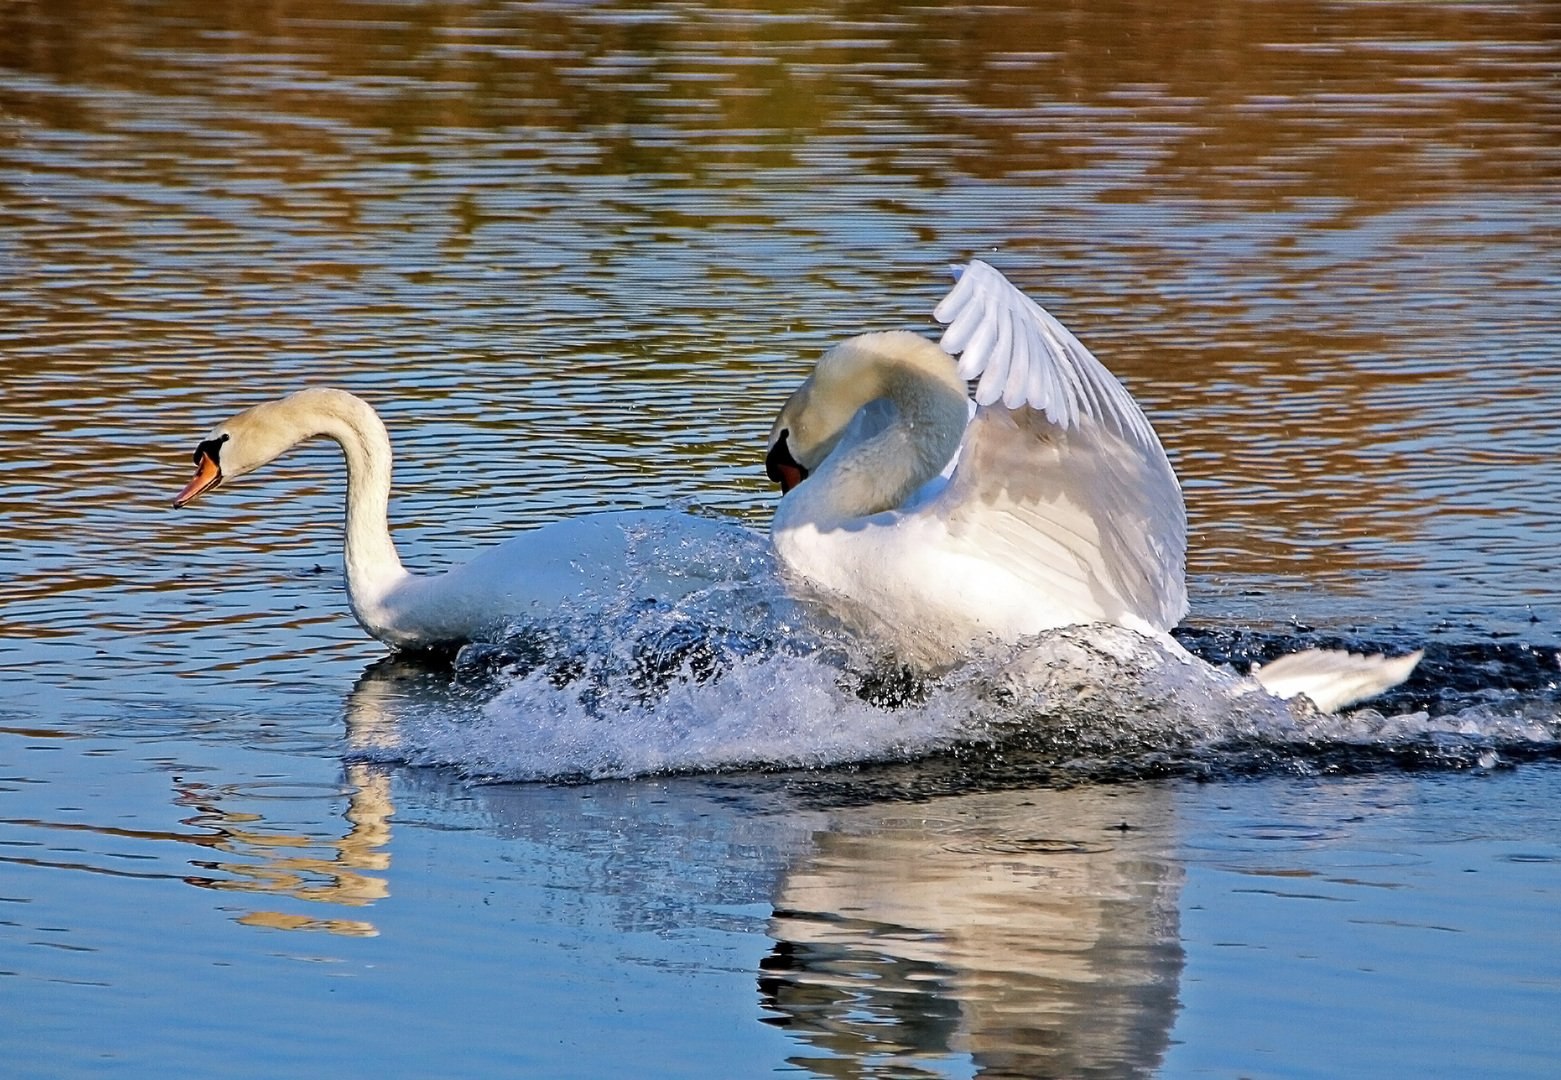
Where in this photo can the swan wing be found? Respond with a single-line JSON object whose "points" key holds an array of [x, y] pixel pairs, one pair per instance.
{"points": [[1060, 476], [1019, 355]]}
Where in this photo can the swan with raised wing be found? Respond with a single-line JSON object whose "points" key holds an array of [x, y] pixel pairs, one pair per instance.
{"points": [[595, 558], [942, 521]]}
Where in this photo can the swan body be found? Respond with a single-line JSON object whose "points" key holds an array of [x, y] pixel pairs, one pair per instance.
{"points": [[1051, 517], [943, 521], [596, 558]]}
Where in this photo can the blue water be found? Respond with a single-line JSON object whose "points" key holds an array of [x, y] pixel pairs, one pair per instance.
{"points": [[577, 255]]}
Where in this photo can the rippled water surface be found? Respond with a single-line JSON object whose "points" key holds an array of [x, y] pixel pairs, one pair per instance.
{"points": [[577, 255]]}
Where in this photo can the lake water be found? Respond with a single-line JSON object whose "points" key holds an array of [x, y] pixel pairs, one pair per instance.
{"points": [[577, 254]]}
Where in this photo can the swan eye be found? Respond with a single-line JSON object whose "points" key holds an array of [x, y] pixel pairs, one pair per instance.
{"points": [[211, 448]]}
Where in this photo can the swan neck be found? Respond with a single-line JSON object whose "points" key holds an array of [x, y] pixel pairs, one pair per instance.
{"points": [[267, 431], [372, 564]]}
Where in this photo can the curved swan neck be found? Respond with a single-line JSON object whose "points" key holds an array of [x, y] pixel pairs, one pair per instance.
{"points": [[370, 554], [373, 567], [909, 417]]}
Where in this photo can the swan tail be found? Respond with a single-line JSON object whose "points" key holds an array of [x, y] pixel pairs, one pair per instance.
{"points": [[1332, 678]]}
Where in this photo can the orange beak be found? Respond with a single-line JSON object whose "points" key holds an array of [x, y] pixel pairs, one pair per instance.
{"points": [[207, 476]]}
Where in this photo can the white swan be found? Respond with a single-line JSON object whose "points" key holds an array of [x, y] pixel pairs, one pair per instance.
{"points": [[942, 523], [593, 559]]}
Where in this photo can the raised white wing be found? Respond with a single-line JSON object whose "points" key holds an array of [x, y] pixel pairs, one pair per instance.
{"points": [[1060, 477], [1019, 354]]}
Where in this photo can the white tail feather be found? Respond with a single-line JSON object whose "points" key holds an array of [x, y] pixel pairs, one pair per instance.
{"points": [[1332, 678]]}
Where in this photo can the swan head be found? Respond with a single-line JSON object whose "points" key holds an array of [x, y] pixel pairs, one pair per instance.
{"points": [[208, 469], [839, 398], [808, 428], [255, 437]]}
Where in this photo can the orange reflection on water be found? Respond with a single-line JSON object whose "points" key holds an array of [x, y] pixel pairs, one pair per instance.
{"points": [[578, 254], [272, 863]]}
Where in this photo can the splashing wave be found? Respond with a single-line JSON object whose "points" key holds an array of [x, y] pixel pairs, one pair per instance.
{"points": [[739, 677]]}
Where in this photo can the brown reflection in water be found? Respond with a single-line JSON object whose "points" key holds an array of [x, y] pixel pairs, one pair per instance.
{"points": [[1035, 932], [275, 863], [1377, 103], [267, 862], [271, 862], [208, 165], [252, 853]]}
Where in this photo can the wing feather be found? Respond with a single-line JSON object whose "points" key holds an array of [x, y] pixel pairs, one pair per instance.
{"points": [[1068, 391], [1040, 386], [992, 362], [962, 314], [973, 310], [1016, 389], [1061, 478]]}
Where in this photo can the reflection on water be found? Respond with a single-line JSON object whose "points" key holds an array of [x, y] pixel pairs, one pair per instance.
{"points": [[586, 248], [261, 860], [1033, 933], [247, 843]]}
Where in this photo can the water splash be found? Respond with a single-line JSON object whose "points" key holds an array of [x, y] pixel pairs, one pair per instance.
{"points": [[740, 677]]}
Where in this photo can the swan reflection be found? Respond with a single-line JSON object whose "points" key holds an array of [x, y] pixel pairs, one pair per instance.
{"points": [[1026, 933], [262, 859], [1035, 932]]}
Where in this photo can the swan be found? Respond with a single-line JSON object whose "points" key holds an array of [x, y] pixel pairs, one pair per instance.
{"points": [[943, 520], [593, 559]]}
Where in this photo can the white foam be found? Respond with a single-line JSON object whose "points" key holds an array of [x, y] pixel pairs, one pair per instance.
{"points": [[791, 697], [773, 712]]}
